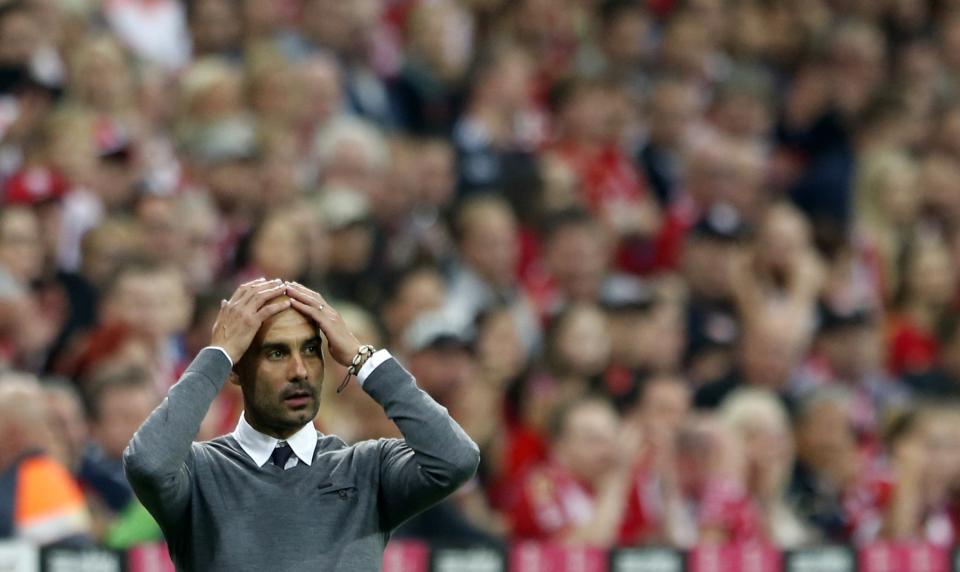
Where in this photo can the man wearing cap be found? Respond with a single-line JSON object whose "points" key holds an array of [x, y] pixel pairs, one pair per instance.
{"points": [[275, 494]]}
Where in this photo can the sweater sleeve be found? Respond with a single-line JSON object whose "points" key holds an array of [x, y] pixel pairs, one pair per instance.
{"points": [[159, 457], [433, 459]]}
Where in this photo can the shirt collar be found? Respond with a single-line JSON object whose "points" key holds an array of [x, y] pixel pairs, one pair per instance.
{"points": [[259, 446]]}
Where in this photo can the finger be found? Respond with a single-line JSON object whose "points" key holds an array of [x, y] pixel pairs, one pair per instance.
{"points": [[262, 295], [314, 312], [257, 288], [270, 309], [252, 282], [241, 293], [307, 293]]}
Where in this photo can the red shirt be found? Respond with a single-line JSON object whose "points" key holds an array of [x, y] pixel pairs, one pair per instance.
{"points": [[725, 505], [552, 502], [911, 348], [606, 174]]}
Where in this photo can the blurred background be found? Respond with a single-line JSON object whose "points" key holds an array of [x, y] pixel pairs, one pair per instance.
{"points": [[686, 270]]}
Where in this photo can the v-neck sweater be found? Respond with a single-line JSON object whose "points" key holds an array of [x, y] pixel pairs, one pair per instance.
{"points": [[220, 511]]}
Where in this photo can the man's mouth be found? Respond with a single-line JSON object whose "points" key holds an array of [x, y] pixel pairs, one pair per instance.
{"points": [[297, 399]]}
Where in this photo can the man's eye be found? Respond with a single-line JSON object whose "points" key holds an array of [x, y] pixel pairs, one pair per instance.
{"points": [[310, 350], [274, 354]]}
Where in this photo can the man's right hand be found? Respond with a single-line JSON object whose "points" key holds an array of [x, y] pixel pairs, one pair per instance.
{"points": [[241, 316]]}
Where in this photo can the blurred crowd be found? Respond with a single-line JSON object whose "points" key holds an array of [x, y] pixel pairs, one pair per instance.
{"points": [[686, 270]]}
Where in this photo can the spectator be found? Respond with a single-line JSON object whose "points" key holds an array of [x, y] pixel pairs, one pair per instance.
{"points": [[615, 197], [590, 135], [577, 354], [647, 336], [924, 455], [624, 44], [888, 209], [942, 379], [926, 292], [786, 275], [43, 503], [499, 124], [579, 496], [348, 219], [847, 352], [348, 32], [711, 254], [735, 471], [27, 327], [759, 421], [150, 303], [426, 91], [444, 362], [768, 354], [119, 402], [837, 487], [673, 110], [488, 242], [576, 262], [215, 27], [409, 295]]}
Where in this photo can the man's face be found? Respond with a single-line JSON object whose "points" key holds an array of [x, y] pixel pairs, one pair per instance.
{"points": [[577, 257], [122, 411], [20, 34], [588, 445], [154, 303], [491, 245], [20, 248], [216, 26], [665, 405], [825, 438], [281, 374], [443, 371], [709, 266]]}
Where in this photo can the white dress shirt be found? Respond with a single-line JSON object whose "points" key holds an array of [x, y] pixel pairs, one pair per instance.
{"points": [[304, 442]]}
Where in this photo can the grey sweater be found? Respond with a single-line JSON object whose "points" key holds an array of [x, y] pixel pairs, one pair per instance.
{"points": [[220, 511]]}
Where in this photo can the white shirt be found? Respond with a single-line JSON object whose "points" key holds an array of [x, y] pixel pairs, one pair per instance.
{"points": [[259, 446]]}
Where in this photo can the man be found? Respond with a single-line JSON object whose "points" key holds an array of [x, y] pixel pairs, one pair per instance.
{"points": [[275, 494], [118, 402], [587, 493], [489, 242], [39, 500]]}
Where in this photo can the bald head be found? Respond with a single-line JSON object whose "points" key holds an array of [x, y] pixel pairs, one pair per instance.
{"points": [[23, 416]]}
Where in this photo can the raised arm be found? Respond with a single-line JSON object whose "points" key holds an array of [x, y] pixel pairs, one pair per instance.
{"points": [[157, 459], [435, 457]]}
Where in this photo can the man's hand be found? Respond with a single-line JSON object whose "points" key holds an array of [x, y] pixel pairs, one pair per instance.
{"points": [[241, 316], [343, 344]]}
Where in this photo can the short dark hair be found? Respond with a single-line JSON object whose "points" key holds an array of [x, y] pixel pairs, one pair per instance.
{"points": [[131, 377], [135, 266], [558, 418], [612, 10], [566, 218]]}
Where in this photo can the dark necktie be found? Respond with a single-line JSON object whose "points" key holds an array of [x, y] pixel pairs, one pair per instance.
{"points": [[281, 454]]}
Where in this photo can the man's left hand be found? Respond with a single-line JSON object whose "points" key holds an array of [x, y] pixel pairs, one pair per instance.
{"points": [[343, 344]]}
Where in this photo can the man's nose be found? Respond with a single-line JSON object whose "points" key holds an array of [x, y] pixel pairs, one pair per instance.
{"points": [[298, 368]]}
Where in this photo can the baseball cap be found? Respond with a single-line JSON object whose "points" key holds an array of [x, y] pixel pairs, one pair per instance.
{"points": [[34, 185], [223, 141], [342, 207], [834, 318], [625, 293], [113, 140], [721, 222], [436, 330]]}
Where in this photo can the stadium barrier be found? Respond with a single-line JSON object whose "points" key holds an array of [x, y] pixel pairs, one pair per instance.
{"points": [[405, 556]]}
